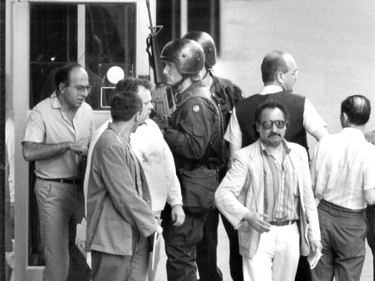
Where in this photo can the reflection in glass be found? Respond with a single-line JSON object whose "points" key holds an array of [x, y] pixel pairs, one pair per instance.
{"points": [[110, 41]]}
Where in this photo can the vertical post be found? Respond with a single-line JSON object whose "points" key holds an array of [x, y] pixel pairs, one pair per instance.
{"points": [[2, 140], [184, 17]]}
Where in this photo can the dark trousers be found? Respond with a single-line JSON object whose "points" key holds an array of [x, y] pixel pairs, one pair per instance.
{"points": [[370, 214], [303, 270], [180, 245], [343, 235], [235, 259], [207, 250]]}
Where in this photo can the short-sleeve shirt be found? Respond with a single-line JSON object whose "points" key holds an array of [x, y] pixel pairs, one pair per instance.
{"points": [[48, 124], [343, 167]]}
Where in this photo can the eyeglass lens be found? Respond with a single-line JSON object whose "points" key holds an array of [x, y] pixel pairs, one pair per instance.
{"points": [[81, 88], [278, 123]]}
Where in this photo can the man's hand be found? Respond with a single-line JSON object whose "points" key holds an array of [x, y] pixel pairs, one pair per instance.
{"points": [[256, 221], [316, 245], [178, 215], [79, 148]]}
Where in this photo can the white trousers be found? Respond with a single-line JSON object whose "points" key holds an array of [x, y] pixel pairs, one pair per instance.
{"points": [[277, 256]]}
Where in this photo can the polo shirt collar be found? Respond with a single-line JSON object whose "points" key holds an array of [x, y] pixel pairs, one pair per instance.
{"points": [[353, 132], [55, 103]]}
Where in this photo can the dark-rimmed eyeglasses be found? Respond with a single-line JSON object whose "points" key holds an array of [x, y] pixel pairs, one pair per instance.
{"points": [[269, 124], [81, 88]]}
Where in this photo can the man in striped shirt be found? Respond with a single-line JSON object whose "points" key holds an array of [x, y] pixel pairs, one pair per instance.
{"points": [[267, 196]]}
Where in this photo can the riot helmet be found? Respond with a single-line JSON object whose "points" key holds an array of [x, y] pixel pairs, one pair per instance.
{"points": [[205, 40], [187, 54]]}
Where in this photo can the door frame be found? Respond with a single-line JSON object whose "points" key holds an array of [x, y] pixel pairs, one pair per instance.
{"points": [[18, 73]]}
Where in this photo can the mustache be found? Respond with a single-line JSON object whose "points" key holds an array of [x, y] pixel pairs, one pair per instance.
{"points": [[274, 134]]}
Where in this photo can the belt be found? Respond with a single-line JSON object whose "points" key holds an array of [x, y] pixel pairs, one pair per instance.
{"points": [[69, 181], [339, 208], [283, 223]]}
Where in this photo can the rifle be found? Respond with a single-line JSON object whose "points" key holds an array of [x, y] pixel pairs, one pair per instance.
{"points": [[162, 97], [153, 49]]}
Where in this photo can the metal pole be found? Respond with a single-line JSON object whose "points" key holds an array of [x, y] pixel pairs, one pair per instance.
{"points": [[2, 139]]}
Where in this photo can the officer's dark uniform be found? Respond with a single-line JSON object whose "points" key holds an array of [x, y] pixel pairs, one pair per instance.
{"points": [[225, 94], [195, 125]]}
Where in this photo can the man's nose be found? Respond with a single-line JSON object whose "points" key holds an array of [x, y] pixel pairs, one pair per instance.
{"points": [[84, 92]]}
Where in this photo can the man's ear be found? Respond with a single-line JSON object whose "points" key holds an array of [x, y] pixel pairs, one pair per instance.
{"points": [[279, 77], [137, 116], [256, 125], [344, 119], [62, 86]]}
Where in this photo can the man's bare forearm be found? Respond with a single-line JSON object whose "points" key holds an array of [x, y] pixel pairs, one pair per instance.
{"points": [[33, 151]]}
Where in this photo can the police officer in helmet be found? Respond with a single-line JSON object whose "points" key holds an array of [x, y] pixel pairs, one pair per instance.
{"points": [[225, 94], [194, 136]]}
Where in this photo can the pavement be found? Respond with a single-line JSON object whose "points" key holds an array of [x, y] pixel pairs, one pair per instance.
{"points": [[223, 260]]}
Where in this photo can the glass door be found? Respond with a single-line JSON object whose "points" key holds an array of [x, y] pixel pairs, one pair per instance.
{"points": [[108, 38]]}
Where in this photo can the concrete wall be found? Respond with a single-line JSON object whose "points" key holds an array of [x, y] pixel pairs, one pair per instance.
{"points": [[332, 41]]}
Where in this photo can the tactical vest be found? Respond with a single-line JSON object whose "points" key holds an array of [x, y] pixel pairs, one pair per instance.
{"points": [[295, 104], [216, 153]]}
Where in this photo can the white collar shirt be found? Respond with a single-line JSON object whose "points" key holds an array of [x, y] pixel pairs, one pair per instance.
{"points": [[343, 167]]}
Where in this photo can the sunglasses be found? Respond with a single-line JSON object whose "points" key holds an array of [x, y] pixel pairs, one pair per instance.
{"points": [[269, 124]]}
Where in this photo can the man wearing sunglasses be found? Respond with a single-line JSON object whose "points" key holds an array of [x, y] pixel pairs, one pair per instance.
{"points": [[267, 196], [279, 74], [57, 137]]}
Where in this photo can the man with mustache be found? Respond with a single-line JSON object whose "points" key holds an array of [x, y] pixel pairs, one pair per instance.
{"points": [[279, 74], [267, 196]]}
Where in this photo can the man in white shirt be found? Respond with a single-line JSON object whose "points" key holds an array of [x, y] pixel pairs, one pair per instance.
{"points": [[153, 153], [370, 212], [343, 179], [279, 74]]}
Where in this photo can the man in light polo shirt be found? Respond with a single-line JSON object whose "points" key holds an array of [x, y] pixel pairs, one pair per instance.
{"points": [[343, 179], [57, 137]]}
